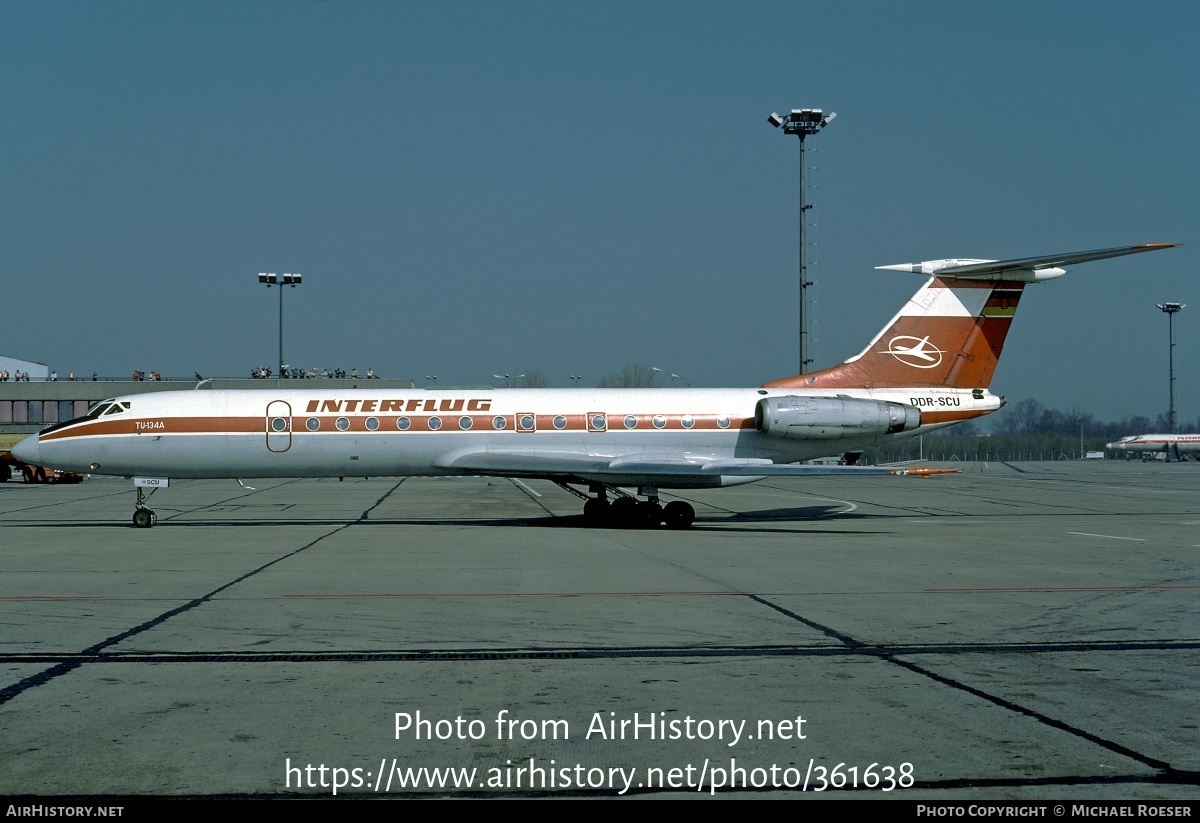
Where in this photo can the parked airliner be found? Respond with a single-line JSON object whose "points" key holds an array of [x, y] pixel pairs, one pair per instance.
{"points": [[1174, 446], [929, 367]]}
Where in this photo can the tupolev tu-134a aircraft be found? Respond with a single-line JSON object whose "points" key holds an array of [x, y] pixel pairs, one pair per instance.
{"points": [[928, 368], [1174, 447]]}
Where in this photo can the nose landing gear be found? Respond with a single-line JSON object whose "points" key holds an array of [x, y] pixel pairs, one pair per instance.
{"points": [[143, 516]]}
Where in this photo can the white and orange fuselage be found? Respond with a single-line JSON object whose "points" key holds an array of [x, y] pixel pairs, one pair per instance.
{"points": [[313, 433]]}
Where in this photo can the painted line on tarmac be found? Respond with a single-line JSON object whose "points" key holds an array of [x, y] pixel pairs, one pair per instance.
{"points": [[525, 487], [1109, 536]]}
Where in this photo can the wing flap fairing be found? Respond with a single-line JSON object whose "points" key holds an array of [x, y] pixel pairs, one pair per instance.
{"points": [[646, 469]]}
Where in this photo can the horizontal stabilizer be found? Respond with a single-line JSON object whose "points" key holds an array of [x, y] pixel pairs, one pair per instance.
{"points": [[1026, 269]]}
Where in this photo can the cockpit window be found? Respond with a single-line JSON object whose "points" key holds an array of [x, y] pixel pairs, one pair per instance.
{"points": [[104, 408], [97, 410]]}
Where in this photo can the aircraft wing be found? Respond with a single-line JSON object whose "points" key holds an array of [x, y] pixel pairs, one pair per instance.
{"points": [[992, 268], [644, 469]]}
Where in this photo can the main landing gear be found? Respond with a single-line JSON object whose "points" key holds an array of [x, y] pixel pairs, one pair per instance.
{"points": [[144, 517], [625, 511]]}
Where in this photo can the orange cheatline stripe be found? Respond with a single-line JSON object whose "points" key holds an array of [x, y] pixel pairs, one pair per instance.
{"points": [[518, 594], [1060, 589]]}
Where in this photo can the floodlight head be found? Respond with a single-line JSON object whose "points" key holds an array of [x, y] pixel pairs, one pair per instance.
{"points": [[1171, 308], [266, 278], [802, 122]]}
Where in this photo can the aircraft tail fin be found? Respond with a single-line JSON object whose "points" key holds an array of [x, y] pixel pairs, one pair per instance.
{"points": [[950, 333]]}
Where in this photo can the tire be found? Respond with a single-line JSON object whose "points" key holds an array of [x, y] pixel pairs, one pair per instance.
{"points": [[624, 513], [596, 512], [143, 519], [650, 514], [679, 515]]}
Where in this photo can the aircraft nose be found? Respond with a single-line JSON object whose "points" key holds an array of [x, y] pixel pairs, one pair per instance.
{"points": [[28, 450]]}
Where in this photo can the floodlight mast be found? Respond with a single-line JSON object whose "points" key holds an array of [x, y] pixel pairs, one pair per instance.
{"points": [[1170, 310], [270, 279], [803, 123]]}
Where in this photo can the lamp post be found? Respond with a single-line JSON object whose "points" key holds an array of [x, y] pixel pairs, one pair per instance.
{"points": [[803, 123], [1170, 310], [272, 279], [671, 375], [576, 378]]}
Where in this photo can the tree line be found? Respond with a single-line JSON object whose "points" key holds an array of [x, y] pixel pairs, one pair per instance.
{"points": [[1023, 431]]}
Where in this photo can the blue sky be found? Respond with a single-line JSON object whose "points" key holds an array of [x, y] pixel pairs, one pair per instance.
{"points": [[472, 188]]}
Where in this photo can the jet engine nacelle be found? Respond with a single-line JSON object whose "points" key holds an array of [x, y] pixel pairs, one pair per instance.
{"points": [[830, 418]]}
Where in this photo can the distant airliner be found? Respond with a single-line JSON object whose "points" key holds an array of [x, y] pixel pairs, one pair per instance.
{"points": [[1174, 446], [929, 367]]}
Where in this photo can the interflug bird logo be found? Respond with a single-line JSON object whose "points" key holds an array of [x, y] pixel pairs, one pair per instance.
{"points": [[917, 352]]}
